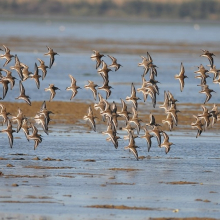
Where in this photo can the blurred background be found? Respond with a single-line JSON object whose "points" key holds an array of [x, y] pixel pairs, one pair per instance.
{"points": [[171, 31], [159, 9]]}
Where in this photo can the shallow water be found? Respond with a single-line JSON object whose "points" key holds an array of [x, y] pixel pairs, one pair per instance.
{"points": [[90, 174]]}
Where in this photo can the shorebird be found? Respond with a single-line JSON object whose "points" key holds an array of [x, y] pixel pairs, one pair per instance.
{"points": [[152, 92], [147, 136], [52, 89], [9, 77], [169, 121], [201, 70], [4, 114], [106, 88], [36, 76], [147, 63], [124, 112], [214, 114], [132, 146], [152, 121], [101, 104], [208, 55], [104, 70], [18, 67], [19, 119], [151, 82], [90, 118], [205, 90], [114, 63], [46, 113], [165, 105], [205, 116], [43, 68], [202, 74], [51, 53], [107, 112], [115, 115], [149, 89], [5, 83], [166, 142], [135, 119], [133, 98], [25, 127], [214, 71], [217, 81], [92, 86], [73, 87], [35, 136], [171, 98], [25, 71], [181, 77], [6, 56], [156, 132], [97, 57], [22, 94], [40, 119], [173, 111], [197, 124], [111, 132], [115, 140], [9, 132]]}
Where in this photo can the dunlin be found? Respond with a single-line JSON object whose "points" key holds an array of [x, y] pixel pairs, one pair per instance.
{"points": [[25, 127], [40, 119], [181, 77], [114, 63], [18, 67], [147, 136], [133, 98], [4, 114], [124, 112], [111, 132], [25, 71], [51, 53], [166, 142], [205, 90], [208, 55], [43, 68], [92, 86], [198, 125], [22, 94], [73, 87], [106, 88], [36, 76], [35, 136], [19, 119], [132, 146], [52, 89], [90, 118], [7, 55], [97, 57], [9, 131]]}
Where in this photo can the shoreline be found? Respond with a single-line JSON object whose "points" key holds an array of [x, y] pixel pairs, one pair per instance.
{"points": [[70, 113], [76, 45]]}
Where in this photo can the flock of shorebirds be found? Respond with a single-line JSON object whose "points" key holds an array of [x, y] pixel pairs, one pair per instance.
{"points": [[43, 116], [149, 88], [109, 112]]}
